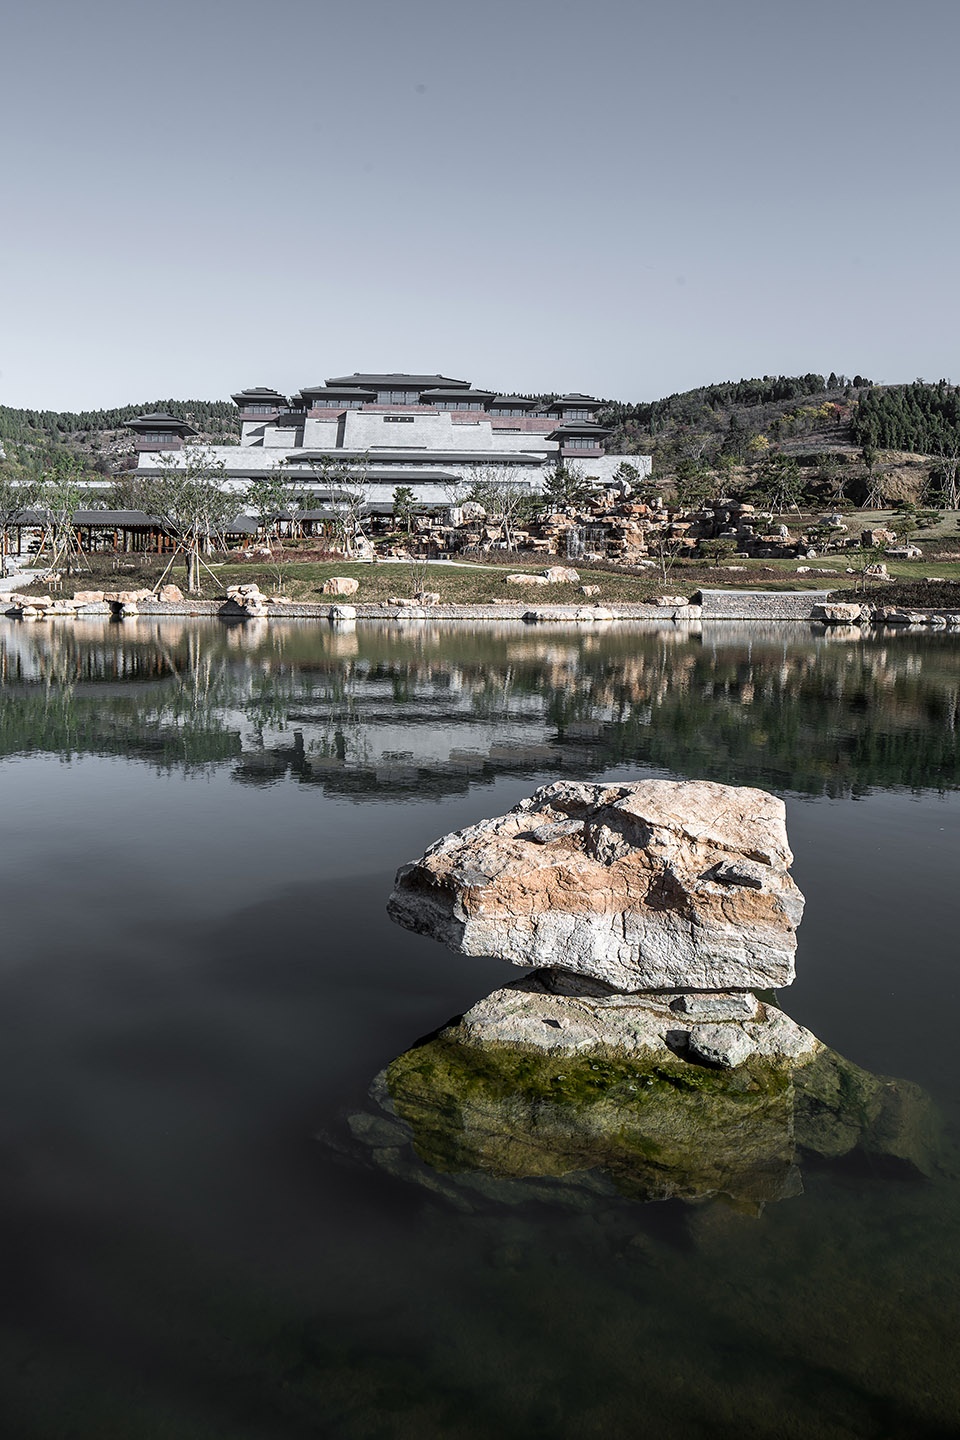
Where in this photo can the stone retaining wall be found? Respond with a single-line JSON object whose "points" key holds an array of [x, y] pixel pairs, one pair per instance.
{"points": [[714, 606], [427, 612], [759, 604]]}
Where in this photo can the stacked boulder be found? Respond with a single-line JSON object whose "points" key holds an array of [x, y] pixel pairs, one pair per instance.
{"points": [[246, 600], [653, 913]]}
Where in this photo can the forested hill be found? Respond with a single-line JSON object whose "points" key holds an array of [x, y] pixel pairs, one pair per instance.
{"points": [[93, 431], [723, 418], [845, 436], [919, 417], [825, 438]]}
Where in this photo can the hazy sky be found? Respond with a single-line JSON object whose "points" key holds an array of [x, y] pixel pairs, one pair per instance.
{"points": [[622, 198]]}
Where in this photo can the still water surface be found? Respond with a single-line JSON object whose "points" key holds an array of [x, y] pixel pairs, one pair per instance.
{"points": [[200, 827]]}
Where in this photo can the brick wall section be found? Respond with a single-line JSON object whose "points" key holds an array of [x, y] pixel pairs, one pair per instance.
{"points": [[759, 604]]}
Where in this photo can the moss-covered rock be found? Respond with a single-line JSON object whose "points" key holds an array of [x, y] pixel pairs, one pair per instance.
{"points": [[657, 1129]]}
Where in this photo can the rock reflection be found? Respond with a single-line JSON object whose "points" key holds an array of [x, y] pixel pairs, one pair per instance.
{"points": [[482, 1123]]}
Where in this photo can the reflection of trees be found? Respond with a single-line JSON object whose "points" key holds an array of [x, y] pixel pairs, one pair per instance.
{"points": [[74, 690], [386, 711]]}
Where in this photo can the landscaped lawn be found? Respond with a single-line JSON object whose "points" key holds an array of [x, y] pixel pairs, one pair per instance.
{"points": [[485, 583]]}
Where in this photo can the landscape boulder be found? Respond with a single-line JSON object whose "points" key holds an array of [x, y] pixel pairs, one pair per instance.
{"points": [[171, 594], [561, 575], [674, 601], [565, 1014], [526, 578], [33, 602], [249, 600], [837, 613], [127, 597], [340, 585], [679, 885], [874, 539]]}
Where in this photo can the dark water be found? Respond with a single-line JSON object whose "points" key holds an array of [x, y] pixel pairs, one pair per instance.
{"points": [[200, 828]]}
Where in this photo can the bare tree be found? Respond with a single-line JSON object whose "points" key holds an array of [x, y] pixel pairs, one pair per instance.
{"points": [[875, 499], [348, 502], [506, 500], [269, 499], [948, 472], [19, 491], [456, 490], [60, 494], [666, 550], [187, 495]]}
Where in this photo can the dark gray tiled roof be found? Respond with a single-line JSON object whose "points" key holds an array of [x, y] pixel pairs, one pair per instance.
{"points": [[129, 519], [333, 391], [160, 420], [259, 392], [457, 393], [399, 381]]}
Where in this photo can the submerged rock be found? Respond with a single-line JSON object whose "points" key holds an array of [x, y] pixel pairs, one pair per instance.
{"points": [[637, 1056], [494, 1122], [679, 885]]}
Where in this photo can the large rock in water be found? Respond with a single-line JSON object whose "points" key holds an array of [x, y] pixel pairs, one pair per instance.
{"points": [[672, 885]]}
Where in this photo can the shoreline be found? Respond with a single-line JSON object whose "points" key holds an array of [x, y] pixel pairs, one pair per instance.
{"points": [[787, 606], [716, 604]]}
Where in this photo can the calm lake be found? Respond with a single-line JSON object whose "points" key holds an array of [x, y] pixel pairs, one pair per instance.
{"points": [[200, 828]]}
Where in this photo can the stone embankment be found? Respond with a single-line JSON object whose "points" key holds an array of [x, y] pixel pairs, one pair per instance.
{"points": [[245, 602]]}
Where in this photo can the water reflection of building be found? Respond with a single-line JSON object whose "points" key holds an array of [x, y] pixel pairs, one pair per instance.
{"points": [[376, 711]]}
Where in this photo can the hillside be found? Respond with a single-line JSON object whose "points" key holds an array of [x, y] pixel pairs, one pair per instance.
{"points": [[98, 436], [787, 439], [800, 439]]}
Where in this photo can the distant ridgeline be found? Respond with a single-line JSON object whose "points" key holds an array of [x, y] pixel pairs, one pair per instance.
{"points": [[726, 437]]}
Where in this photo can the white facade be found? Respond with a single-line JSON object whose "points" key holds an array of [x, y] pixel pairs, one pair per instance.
{"points": [[437, 448]]}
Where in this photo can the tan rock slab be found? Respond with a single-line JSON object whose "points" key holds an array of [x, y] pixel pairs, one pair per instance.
{"points": [[658, 885]]}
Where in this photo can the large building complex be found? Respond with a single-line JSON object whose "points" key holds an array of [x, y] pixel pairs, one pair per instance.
{"points": [[429, 432]]}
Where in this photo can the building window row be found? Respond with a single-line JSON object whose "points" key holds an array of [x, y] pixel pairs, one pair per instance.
{"points": [[580, 442], [396, 397]]}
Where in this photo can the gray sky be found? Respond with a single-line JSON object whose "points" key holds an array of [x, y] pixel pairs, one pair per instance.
{"points": [[622, 198]]}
